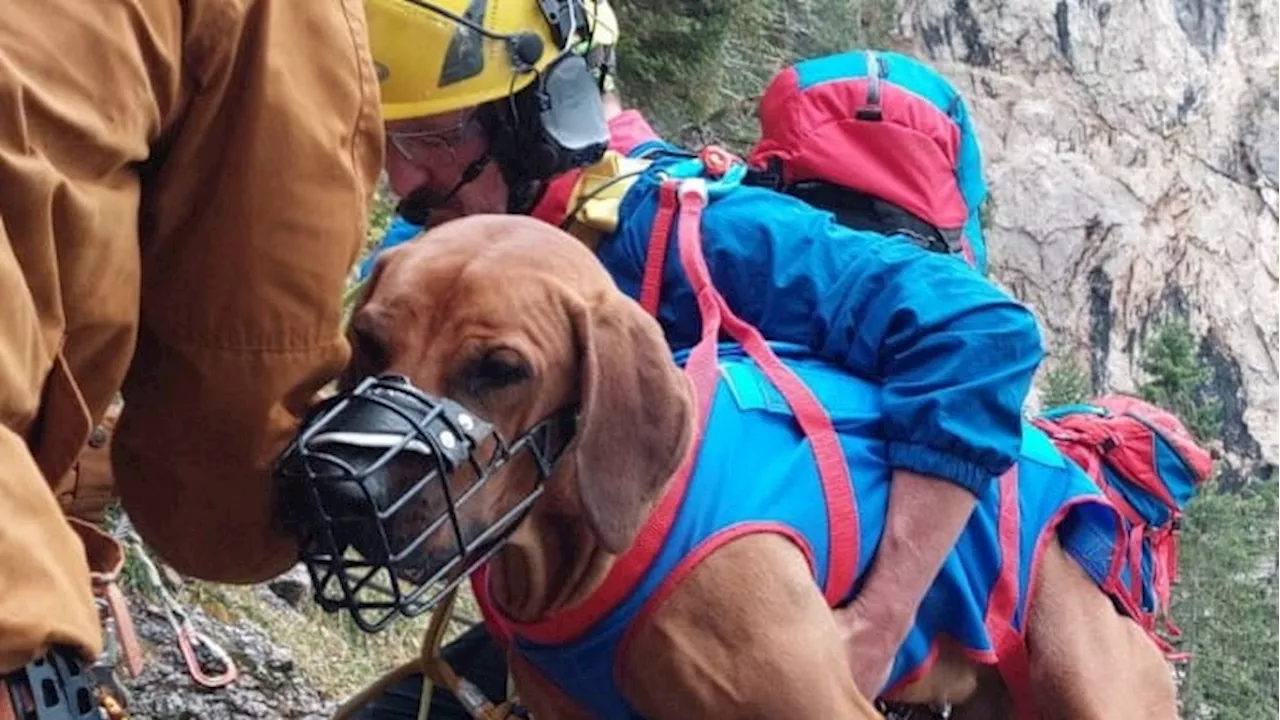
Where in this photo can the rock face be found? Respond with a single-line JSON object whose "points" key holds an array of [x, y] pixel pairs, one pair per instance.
{"points": [[1132, 155], [267, 688]]}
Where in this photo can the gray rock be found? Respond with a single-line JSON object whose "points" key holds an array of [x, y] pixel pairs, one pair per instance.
{"points": [[293, 587], [267, 688], [1132, 156]]}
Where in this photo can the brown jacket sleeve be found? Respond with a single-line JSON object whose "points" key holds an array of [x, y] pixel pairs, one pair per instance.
{"points": [[254, 210]]}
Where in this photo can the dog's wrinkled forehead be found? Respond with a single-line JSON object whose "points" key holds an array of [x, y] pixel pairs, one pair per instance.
{"points": [[483, 254], [438, 302]]}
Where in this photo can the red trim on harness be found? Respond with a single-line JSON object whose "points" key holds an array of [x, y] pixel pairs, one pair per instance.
{"points": [[493, 618], [691, 562], [1009, 645], [982, 657], [966, 250], [1042, 542], [701, 369], [655, 260], [1037, 554], [989, 657]]}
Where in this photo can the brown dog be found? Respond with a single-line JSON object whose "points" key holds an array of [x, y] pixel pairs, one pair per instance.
{"points": [[513, 319]]}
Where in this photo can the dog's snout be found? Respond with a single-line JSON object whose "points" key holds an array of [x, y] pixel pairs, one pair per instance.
{"points": [[353, 497], [344, 498]]}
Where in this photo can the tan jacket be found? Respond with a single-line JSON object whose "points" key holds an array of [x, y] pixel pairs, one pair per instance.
{"points": [[183, 190]]}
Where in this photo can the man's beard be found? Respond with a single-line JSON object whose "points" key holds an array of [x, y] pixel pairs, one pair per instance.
{"points": [[416, 207]]}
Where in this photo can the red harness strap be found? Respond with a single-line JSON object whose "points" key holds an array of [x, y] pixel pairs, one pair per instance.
{"points": [[842, 516], [655, 259], [1009, 645], [701, 369]]}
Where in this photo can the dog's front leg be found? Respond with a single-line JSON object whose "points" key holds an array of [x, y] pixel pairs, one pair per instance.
{"points": [[543, 700], [1088, 661], [746, 635]]}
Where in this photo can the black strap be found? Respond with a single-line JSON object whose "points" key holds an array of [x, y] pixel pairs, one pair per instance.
{"points": [[860, 211], [857, 210]]}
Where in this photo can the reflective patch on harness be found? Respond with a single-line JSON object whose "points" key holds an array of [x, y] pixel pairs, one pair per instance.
{"points": [[750, 389]]}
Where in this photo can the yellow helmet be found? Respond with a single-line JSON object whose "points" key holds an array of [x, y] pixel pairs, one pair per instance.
{"points": [[437, 56]]}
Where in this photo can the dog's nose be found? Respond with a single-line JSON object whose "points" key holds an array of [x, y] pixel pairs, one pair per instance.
{"points": [[350, 504], [343, 496], [353, 461]]}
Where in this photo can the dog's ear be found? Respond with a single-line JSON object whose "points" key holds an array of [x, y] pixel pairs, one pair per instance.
{"points": [[635, 421]]}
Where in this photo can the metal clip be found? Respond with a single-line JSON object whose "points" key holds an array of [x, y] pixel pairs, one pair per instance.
{"points": [[207, 662], [103, 669]]}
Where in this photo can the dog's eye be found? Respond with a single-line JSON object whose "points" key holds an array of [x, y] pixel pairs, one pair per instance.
{"points": [[497, 369]]}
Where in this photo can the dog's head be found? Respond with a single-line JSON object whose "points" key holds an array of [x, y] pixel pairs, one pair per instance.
{"points": [[515, 325]]}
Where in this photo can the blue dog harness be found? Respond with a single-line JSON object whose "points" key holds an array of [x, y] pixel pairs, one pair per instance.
{"points": [[791, 444]]}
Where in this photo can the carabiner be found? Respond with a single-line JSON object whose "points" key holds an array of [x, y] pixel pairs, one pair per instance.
{"points": [[201, 652]]}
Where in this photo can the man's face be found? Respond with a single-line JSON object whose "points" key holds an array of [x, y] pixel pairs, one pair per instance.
{"points": [[428, 156]]}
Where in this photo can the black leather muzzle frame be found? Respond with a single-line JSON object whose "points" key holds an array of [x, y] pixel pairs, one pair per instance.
{"points": [[353, 487]]}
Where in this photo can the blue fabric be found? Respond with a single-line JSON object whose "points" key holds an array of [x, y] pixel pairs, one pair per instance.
{"points": [[398, 231], [920, 79], [1090, 542], [1151, 508], [1173, 471], [955, 354], [773, 478]]}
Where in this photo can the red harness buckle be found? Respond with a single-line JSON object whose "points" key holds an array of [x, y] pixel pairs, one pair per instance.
{"points": [[717, 160]]}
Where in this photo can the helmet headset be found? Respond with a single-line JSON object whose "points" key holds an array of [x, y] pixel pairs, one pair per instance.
{"points": [[552, 119]]}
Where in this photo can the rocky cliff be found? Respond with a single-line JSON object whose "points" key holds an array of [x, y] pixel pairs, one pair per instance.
{"points": [[1132, 157]]}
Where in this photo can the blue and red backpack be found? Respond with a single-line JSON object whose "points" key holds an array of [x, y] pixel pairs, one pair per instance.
{"points": [[1149, 466], [881, 140]]}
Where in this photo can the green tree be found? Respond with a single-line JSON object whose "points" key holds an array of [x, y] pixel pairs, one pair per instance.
{"points": [[697, 68], [1178, 380], [1226, 603], [1066, 382], [1227, 599], [668, 57]]}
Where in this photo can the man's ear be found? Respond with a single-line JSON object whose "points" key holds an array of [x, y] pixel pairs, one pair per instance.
{"points": [[636, 415]]}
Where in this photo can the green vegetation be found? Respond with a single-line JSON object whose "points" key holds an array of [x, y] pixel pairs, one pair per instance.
{"points": [[1066, 382], [697, 68], [1179, 380], [1226, 604]]}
